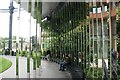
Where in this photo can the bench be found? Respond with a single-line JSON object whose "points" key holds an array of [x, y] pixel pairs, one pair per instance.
{"points": [[75, 71], [44, 57], [55, 60]]}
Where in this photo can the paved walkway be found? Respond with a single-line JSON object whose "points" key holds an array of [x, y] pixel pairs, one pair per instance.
{"points": [[48, 69]]}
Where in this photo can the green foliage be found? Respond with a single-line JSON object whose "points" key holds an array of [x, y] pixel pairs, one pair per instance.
{"points": [[2, 52], [38, 60], [28, 62], [64, 28], [96, 71], [4, 64], [17, 64], [23, 53], [34, 57], [118, 44], [66, 17], [118, 40], [118, 30], [11, 52]]}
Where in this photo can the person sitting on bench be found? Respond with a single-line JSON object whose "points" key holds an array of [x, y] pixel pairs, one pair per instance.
{"points": [[66, 62]]}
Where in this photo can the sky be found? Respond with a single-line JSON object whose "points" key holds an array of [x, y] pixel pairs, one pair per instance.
{"points": [[21, 30]]}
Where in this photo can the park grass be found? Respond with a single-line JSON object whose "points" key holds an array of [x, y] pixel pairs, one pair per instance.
{"points": [[4, 64]]}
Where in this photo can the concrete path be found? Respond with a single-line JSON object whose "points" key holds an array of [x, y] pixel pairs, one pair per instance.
{"points": [[48, 69], [11, 72], [51, 70]]}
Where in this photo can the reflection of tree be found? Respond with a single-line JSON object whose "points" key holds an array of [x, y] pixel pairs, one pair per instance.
{"points": [[118, 38], [64, 28]]}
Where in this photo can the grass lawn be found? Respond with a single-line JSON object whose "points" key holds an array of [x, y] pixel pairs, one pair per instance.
{"points": [[4, 64]]}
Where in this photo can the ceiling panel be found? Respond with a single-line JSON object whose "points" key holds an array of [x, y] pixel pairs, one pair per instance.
{"points": [[48, 7]]}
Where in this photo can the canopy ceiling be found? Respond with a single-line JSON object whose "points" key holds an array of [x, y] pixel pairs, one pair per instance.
{"points": [[47, 7]]}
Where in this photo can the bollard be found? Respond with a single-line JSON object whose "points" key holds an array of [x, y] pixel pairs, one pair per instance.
{"points": [[34, 64], [37, 70], [17, 65], [10, 52], [28, 64], [38, 64], [34, 61], [20, 53], [38, 60], [3, 51], [40, 68]]}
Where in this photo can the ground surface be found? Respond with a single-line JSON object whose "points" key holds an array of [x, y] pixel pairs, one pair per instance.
{"points": [[48, 69]]}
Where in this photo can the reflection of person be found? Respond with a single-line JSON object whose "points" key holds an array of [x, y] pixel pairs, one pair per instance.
{"points": [[82, 57], [105, 77], [66, 62], [48, 54], [91, 58], [48, 57], [114, 55]]}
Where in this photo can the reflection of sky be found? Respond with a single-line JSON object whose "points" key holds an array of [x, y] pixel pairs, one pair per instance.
{"points": [[23, 30]]}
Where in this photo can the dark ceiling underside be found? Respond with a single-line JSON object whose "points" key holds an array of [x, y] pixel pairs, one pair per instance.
{"points": [[48, 8]]}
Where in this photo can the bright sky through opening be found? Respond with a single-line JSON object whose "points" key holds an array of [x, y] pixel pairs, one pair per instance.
{"points": [[23, 30]]}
